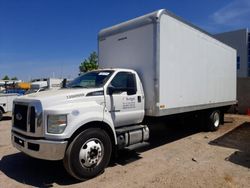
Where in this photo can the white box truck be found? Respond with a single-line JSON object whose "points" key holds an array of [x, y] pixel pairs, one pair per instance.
{"points": [[154, 65]]}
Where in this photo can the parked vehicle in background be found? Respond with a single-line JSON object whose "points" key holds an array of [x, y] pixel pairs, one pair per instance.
{"points": [[6, 102], [24, 85], [15, 91], [44, 84], [12, 86], [153, 66]]}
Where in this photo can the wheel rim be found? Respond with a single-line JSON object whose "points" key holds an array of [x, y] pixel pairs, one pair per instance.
{"points": [[216, 119], [91, 153]]}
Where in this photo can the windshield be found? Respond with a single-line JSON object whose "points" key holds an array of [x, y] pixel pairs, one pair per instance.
{"points": [[91, 79]]}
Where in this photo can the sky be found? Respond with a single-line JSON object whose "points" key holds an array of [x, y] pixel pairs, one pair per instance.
{"points": [[50, 38]]}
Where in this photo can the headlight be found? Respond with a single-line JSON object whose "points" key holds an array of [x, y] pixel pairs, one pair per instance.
{"points": [[56, 123]]}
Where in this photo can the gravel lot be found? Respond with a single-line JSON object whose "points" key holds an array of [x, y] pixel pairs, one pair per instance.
{"points": [[177, 155]]}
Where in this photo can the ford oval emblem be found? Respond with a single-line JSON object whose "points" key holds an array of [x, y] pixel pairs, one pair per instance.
{"points": [[19, 116]]}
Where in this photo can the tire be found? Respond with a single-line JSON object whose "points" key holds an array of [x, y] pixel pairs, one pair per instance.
{"points": [[214, 120], [1, 114], [88, 154]]}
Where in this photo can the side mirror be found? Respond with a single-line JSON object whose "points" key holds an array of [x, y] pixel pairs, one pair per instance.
{"points": [[131, 91], [64, 82], [112, 90]]}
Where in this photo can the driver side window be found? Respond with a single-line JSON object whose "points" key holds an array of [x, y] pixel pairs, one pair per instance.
{"points": [[124, 81]]}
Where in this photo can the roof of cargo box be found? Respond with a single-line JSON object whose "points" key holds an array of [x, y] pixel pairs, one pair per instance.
{"points": [[143, 20]]}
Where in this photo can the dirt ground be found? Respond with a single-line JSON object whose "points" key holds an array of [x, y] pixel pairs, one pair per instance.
{"points": [[177, 155]]}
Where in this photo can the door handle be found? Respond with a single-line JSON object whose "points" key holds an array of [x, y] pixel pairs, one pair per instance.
{"points": [[139, 99]]}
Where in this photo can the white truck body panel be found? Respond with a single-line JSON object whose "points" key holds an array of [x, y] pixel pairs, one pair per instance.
{"points": [[195, 69], [6, 101], [54, 83], [42, 85], [182, 68], [50, 83], [38, 85]]}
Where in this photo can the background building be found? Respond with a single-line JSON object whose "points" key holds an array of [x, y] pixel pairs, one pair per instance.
{"points": [[239, 40]]}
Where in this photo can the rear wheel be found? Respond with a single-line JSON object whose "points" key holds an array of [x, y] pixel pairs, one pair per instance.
{"points": [[214, 120], [88, 154]]}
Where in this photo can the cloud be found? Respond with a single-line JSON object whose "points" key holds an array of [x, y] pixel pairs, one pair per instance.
{"points": [[234, 14]]}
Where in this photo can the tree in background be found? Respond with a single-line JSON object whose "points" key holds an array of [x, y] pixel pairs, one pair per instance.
{"points": [[89, 64], [14, 78], [5, 78]]}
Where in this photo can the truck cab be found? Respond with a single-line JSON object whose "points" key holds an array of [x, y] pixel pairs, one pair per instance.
{"points": [[97, 112]]}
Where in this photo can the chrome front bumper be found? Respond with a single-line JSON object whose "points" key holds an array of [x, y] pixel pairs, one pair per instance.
{"points": [[41, 149]]}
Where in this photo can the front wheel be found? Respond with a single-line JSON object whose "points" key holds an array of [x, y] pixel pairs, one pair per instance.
{"points": [[88, 154]]}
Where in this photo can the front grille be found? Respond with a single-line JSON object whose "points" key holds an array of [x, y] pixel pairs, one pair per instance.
{"points": [[20, 117], [25, 118]]}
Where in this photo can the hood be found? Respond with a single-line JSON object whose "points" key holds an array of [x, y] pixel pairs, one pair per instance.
{"points": [[55, 97]]}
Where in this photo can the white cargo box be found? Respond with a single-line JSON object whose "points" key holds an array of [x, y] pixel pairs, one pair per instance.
{"points": [[182, 67]]}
